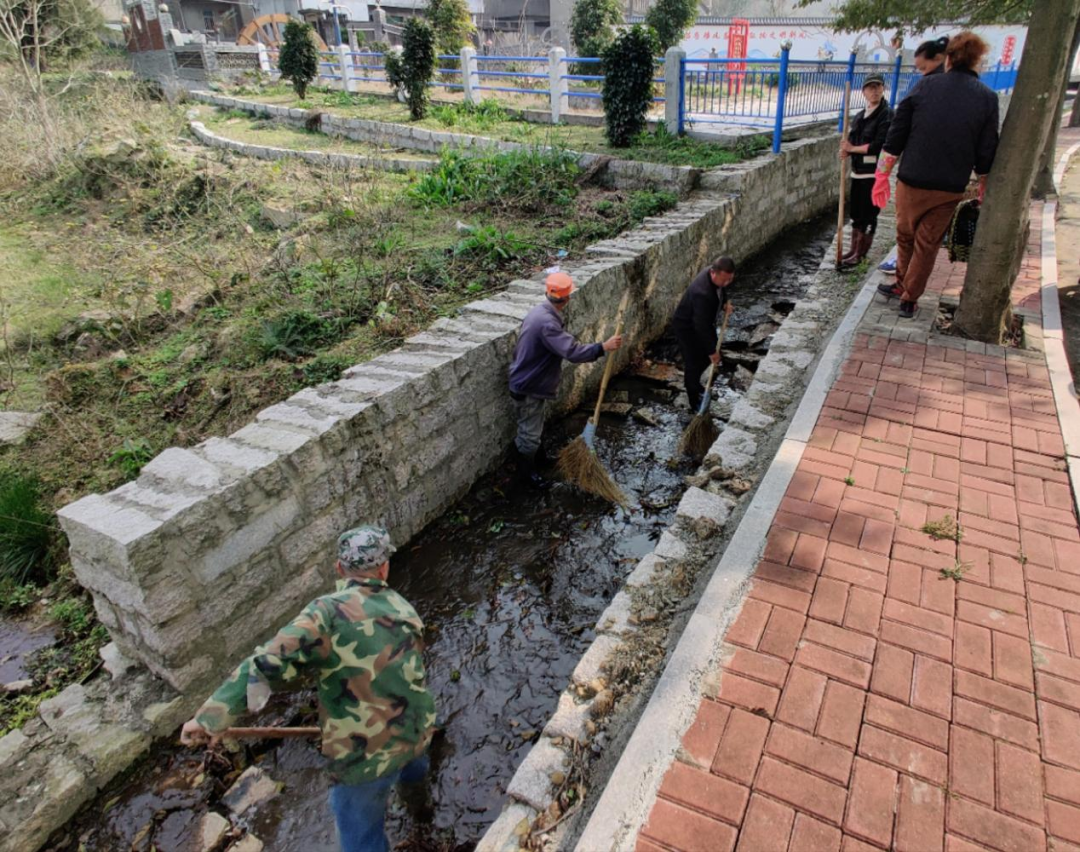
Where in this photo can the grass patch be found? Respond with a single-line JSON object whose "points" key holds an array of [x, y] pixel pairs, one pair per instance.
{"points": [[491, 120], [957, 572], [28, 533], [946, 528]]}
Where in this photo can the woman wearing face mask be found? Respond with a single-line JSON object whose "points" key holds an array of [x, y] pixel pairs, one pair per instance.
{"points": [[930, 56], [929, 60], [864, 143]]}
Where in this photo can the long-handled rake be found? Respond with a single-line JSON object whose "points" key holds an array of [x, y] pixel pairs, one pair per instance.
{"points": [[578, 462], [701, 432]]}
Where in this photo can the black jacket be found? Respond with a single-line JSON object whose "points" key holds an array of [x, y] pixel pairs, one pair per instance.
{"points": [[872, 131], [696, 314], [946, 127]]}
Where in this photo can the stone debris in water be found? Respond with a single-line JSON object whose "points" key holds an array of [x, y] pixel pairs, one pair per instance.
{"points": [[742, 378], [659, 371], [646, 416], [17, 687], [212, 830], [251, 788], [619, 409], [248, 843]]}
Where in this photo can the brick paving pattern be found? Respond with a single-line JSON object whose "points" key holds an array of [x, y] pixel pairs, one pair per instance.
{"points": [[883, 688]]}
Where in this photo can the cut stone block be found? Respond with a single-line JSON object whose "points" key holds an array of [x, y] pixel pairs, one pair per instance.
{"points": [[251, 788], [532, 781]]}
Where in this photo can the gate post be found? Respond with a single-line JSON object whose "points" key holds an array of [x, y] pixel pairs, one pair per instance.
{"points": [[468, 74], [557, 86], [895, 93], [781, 97], [674, 68], [851, 82]]}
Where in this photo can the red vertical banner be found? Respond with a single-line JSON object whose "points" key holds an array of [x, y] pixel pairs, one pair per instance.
{"points": [[738, 42], [1008, 50]]}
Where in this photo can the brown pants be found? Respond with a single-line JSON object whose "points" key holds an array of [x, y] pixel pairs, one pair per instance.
{"points": [[922, 218]]}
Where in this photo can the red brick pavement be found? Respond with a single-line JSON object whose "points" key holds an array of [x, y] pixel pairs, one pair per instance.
{"points": [[867, 699]]}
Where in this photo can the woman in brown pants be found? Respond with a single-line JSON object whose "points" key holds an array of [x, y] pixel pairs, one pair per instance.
{"points": [[946, 127]]}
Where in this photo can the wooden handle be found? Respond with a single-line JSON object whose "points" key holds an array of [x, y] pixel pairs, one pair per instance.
{"points": [[843, 179], [271, 733], [713, 370], [610, 361]]}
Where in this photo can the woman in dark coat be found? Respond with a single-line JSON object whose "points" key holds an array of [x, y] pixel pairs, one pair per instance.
{"points": [[865, 141], [946, 128]]}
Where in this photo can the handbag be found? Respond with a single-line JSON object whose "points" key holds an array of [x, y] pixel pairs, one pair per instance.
{"points": [[961, 233]]}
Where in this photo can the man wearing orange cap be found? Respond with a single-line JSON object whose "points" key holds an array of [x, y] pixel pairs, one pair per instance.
{"points": [[543, 344]]}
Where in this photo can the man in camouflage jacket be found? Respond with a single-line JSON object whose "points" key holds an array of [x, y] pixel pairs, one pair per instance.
{"points": [[364, 644]]}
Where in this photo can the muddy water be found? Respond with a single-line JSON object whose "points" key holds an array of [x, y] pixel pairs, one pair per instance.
{"points": [[510, 583], [18, 640]]}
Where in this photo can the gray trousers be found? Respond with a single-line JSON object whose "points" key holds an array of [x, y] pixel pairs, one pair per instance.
{"points": [[530, 424]]}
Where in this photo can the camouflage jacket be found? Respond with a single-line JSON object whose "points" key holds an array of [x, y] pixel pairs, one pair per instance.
{"points": [[364, 643]]}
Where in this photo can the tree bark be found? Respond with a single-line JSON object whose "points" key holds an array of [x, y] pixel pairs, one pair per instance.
{"points": [[985, 311], [1044, 178], [1074, 116]]}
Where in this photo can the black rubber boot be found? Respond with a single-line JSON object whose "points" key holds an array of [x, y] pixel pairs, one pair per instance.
{"points": [[858, 252], [856, 241], [526, 468]]}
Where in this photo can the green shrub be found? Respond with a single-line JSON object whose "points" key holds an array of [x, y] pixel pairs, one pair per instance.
{"points": [[592, 27], [28, 533], [493, 247], [323, 369], [647, 202], [482, 116], [132, 455], [526, 180], [417, 65], [628, 84], [16, 598], [670, 19], [452, 24], [299, 59], [295, 334]]}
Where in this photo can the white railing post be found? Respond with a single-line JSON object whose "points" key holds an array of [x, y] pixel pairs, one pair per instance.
{"points": [[560, 89], [345, 64], [264, 58], [468, 74], [673, 71]]}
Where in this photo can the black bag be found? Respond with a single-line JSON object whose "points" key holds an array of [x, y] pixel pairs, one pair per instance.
{"points": [[961, 235]]}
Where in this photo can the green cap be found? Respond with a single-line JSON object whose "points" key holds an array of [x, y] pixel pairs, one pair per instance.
{"points": [[871, 79], [364, 548]]}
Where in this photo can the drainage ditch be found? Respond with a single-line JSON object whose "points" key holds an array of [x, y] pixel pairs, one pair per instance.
{"points": [[510, 583]]}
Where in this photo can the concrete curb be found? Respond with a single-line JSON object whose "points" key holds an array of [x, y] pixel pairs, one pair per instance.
{"points": [[624, 804], [1061, 378], [266, 152]]}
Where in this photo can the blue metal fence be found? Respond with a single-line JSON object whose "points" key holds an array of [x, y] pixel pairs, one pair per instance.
{"points": [[779, 92], [757, 93]]}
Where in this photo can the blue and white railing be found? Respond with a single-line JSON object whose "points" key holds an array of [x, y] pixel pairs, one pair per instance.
{"points": [[770, 94]]}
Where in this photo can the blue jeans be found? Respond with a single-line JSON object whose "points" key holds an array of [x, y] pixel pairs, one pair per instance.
{"points": [[360, 809]]}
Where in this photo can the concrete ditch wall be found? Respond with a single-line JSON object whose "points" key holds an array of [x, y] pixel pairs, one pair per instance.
{"points": [[214, 546]]}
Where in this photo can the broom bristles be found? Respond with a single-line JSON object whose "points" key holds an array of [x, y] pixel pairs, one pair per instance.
{"points": [[699, 436], [580, 465]]}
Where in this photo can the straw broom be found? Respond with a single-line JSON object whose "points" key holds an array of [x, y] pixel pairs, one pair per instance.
{"points": [[843, 181], [701, 432], [578, 462]]}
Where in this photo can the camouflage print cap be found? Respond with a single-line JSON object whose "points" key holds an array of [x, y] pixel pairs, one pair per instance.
{"points": [[364, 548]]}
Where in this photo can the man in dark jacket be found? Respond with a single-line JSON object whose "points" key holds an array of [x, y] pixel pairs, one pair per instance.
{"points": [[944, 129], [694, 323], [543, 344]]}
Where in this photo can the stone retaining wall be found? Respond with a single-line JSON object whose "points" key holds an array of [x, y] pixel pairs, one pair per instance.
{"points": [[620, 174], [214, 546]]}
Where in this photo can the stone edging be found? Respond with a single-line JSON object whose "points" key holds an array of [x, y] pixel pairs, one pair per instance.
{"points": [[621, 174], [265, 152], [1061, 378], [624, 803], [692, 542]]}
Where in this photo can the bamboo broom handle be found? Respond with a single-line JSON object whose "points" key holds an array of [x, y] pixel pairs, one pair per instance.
{"points": [[843, 179], [715, 368], [271, 733], [611, 360]]}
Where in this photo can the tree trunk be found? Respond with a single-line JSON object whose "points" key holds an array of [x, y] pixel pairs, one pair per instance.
{"points": [[1074, 116], [985, 311], [1044, 178]]}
